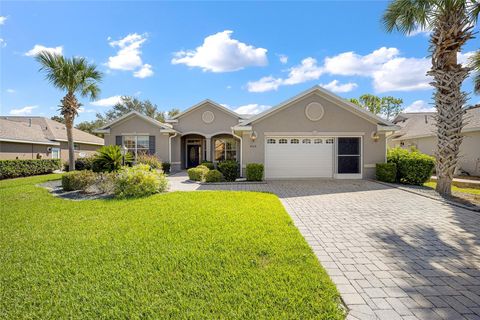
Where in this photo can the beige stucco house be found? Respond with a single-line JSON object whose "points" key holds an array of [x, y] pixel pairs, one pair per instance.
{"points": [[315, 134], [418, 130], [30, 137]]}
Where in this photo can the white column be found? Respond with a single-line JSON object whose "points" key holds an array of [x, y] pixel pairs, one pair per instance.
{"points": [[208, 147]]}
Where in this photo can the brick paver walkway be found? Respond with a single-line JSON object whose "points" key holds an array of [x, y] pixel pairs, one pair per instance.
{"points": [[392, 254]]}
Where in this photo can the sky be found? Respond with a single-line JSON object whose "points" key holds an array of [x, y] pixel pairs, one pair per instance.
{"points": [[248, 56]]}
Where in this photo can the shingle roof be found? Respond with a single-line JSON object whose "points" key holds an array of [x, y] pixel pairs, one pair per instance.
{"points": [[53, 130], [19, 131], [422, 124]]}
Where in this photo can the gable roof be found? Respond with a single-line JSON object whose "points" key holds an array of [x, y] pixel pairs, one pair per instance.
{"points": [[423, 124], [327, 95], [213, 103], [22, 132], [161, 125], [50, 129]]}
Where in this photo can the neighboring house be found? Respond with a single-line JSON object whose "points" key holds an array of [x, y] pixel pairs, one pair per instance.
{"points": [[418, 130], [315, 134], [39, 137]]}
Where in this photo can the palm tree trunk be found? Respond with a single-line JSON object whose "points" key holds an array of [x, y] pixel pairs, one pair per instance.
{"points": [[447, 39], [69, 111]]}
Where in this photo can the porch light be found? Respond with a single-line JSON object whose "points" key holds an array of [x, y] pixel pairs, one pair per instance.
{"points": [[375, 136], [253, 136]]}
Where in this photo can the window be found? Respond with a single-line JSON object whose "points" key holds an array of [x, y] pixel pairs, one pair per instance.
{"points": [[55, 153], [306, 141], [282, 141], [349, 155], [225, 149], [294, 141], [271, 141], [136, 144], [76, 147], [329, 141], [318, 141]]}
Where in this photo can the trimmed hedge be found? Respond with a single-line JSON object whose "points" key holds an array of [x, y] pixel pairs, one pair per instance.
{"points": [[413, 167], [139, 181], [386, 172], [229, 169], [78, 180], [166, 167], [208, 164], [25, 168], [82, 164], [214, 176], [198, 173], [255, 172]]}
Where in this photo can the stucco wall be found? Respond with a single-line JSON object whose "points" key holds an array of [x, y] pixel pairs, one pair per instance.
{"points": [[10, 151], [85, 150], [138, 126], [469, 156], [292, 120]]}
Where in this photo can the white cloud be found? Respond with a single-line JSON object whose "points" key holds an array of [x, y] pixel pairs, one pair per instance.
{"points": [[283, 58], [220, 53], [252, 108], [23, 111], [129, 55], [39, 48], [419, 106], [307, 70], [2, 20], [335, 86], [420, 31], [144, 72], [10, 91], [83, 110], [464, 57], [3, 43], [107, 102]]}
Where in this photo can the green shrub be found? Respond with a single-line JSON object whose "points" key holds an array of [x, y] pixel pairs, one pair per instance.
{"points": [[25, 168], [214, 176], [386, 172], [78, 180], [109, 158], [82, 164], [255, 172], [166, 167], [106, 182], [139, 181], [151, 160], [198, 173], [229, 169], [413, 167], [208, 164]]}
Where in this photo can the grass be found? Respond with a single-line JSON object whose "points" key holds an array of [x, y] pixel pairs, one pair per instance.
{"points": [[220, 255], [473, 191]]}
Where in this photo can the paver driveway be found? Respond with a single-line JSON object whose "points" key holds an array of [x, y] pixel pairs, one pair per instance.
{"points": [[391, 253]]}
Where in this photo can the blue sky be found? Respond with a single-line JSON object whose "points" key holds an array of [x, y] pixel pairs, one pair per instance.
{"points": [[244, 55]]}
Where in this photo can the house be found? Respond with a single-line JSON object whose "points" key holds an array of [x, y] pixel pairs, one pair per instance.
{"points": [[28, 137], [418, 130], [315, 134]]}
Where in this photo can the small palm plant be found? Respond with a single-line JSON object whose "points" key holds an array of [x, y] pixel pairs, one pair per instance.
{"points": [[452, 25], [475, 65], [109, 158], [75, 76]]}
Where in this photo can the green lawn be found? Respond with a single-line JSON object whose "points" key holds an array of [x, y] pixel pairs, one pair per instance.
{"points": [[198, 255], [433, 184]]}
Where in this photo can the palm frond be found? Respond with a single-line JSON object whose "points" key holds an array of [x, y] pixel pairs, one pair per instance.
{"points": [[408, 15]]}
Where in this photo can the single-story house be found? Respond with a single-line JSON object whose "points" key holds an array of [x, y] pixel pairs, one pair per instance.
{"points": [[419, 130], [30, 137], [315, 134]]}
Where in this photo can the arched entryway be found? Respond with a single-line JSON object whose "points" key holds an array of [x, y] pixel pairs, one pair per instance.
{"points": [[193, 150]]}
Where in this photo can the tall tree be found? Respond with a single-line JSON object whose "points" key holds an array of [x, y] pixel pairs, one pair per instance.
{"points": [[58, 119], [451, 23], [475, 65], [75, 76], [173, 112], [371, 102], [90, 126], [391, 107]]}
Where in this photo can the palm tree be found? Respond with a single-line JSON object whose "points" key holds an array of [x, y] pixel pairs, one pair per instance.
{"points": [[451, 23], [475, 64], [75, 76]]}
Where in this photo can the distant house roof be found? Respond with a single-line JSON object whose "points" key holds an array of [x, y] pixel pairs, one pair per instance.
{"points": [[165, 127], [43, 129], [13, 131], [422, 124]]}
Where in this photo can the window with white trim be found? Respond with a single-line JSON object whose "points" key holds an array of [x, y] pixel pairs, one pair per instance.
{"points": [[55, 153], [282, 141], [306, 141], [136, 144], [294, 141], [271, 141], [225, 149]]}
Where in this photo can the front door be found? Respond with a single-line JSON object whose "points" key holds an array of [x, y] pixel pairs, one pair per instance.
{"points": [[193, 156]]}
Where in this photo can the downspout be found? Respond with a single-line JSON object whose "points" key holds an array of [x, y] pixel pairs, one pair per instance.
{"points": [[241, 151], [170, 147]]}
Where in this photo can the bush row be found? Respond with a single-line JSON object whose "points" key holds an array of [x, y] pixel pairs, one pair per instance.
{"points": [[25, 168], [226, 171], [406, 166]]}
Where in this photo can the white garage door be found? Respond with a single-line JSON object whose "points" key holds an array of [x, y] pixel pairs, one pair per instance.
{"points": [[294, 157]]}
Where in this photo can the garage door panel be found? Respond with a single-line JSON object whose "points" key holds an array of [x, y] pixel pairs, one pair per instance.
{"points": [[298, 160]]}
